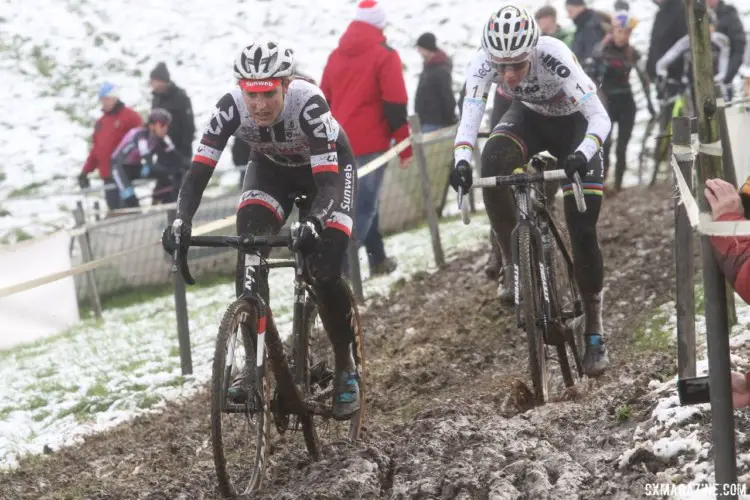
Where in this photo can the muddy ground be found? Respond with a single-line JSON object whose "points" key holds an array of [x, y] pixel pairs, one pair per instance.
{"points": [[446, 402]]}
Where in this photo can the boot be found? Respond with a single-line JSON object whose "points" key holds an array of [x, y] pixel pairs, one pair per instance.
{"points": [[595, 358], [506, 286], [346, 389], [494, 260]]}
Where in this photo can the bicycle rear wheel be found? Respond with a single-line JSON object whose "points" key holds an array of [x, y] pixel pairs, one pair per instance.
{"points": [[240, 430], [528, 276], [320, 378]]}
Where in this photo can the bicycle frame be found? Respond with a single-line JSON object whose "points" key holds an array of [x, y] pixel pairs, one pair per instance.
{"points": [[268, 340]]}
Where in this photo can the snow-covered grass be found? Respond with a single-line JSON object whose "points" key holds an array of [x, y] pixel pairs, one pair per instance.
{"points": [[675, 434], [99, 374], [48, 100]]}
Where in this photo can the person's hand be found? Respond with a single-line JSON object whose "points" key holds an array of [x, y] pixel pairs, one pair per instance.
{"points": [[404, 162], [740, 390], [461, 176], [723, 198], [576, 162], [83, 181], [145, 171], [308, 237], [176, 235]]}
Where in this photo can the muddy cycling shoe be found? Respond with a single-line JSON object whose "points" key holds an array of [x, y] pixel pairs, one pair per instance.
{"points": [[387, 266], [346, 395], [239, 391], [595, 359], [505, 287]]}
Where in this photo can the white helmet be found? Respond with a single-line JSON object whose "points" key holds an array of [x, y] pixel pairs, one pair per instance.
{"points": [[510, 34], [262, 60]]}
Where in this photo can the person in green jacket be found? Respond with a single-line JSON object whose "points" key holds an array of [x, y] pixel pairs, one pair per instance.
{"points": [[546, 17]]}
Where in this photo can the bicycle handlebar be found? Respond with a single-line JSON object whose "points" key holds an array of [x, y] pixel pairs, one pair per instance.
{"points": [[522, 179], [242, 243]]}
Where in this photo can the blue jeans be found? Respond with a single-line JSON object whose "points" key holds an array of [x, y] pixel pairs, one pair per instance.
{"points": [[366, 217]]}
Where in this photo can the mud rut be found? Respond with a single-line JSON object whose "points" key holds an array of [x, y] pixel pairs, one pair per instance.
{"points": [[447, 416]]}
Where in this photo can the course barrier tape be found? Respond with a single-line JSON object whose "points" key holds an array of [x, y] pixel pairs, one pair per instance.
{"points": [[703, 222], [209, 227], [49, 278]]}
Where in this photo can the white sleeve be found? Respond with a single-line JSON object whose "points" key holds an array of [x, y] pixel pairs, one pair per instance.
{"points": [[724, 51], [675, 51], [581, 90], [478, 82]]}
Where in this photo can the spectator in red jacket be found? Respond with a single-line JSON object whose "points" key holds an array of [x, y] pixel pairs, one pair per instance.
{"points": [[364, 85], [733, 254], [109, 130]]}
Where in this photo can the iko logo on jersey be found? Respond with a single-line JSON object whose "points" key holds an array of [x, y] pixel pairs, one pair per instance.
{"points": [[555, 66], [219, 119]]}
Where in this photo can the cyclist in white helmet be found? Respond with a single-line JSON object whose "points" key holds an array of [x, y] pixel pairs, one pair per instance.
{"points": [[300, 149], [556, 109]]}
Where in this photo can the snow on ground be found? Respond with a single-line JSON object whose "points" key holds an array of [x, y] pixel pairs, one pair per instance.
{"points": [[50, 76], [677, 434], [98, 375]]}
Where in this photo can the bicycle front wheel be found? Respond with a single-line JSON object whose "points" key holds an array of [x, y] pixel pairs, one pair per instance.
{"points": [[240, 420], [528, 276]]}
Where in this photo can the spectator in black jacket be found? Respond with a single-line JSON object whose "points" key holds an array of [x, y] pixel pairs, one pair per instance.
{"points": [[670, 24], [589, 29], [729, 23], [169, 96], [434, 102]]}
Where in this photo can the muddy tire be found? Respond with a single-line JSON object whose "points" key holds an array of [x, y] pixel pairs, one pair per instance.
{"points": [[239, 438], [532, 311]]}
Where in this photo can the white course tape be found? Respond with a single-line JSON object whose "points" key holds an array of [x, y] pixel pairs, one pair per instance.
{"points": [[49, 278], [703, 221], [384, 158], [711, 149]]}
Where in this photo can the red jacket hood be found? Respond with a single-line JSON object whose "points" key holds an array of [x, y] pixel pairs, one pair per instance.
{"points": [[360, 37]]}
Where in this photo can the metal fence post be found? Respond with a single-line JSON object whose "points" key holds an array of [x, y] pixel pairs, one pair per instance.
{"points": [[730, 174], [180, 306], [355, 273], [419, 156], [684, 261], [85, 245]]}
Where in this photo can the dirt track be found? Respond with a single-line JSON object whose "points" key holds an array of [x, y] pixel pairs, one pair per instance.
{"points": [[445, 415]]}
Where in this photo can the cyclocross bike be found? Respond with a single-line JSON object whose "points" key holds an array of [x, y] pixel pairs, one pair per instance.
{"points": [[547, 301], [297, 392], [670, 106]]}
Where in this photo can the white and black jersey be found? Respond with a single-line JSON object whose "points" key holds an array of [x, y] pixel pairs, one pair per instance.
{"points": [[555, 85], [305, 137]]}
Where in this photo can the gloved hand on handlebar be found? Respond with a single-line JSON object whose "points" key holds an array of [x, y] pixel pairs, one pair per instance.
{"points": [[309, 236], [576, 162], [83, 181], [461, 176], [176, 235]]}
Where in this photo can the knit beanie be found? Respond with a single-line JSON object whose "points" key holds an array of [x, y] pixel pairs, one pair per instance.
{"points": [[575, 2], [370, 12], [427, 41], [107, 89], [160, 73]]}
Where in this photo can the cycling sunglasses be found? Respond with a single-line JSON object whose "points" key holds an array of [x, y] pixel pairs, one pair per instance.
{"points": [[515, 66]]}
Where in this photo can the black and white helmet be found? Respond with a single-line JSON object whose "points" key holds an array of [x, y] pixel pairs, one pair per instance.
{"points": [[261, 60], [510, 34]]}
